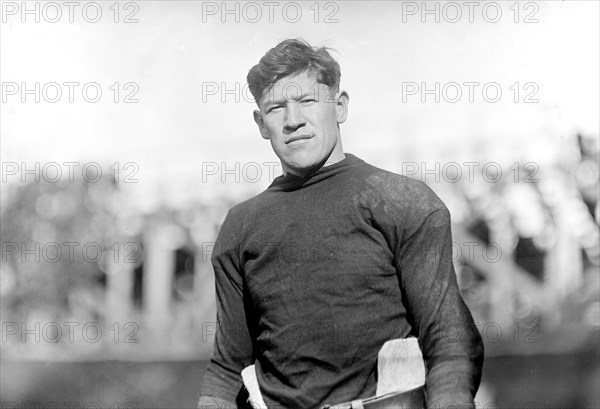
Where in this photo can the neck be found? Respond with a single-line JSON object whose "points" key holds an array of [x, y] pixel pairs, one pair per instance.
{"points": [[332, 159]]}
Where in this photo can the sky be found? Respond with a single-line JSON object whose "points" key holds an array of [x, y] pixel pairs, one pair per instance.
{"points": [[181, 67]]}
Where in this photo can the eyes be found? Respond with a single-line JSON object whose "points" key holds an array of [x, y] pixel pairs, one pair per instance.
{"points": [[279, 107], [274, 108]]}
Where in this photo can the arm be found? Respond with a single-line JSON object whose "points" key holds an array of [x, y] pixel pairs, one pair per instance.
{"points": [[416, 226], [233, 346], [451, 344]]}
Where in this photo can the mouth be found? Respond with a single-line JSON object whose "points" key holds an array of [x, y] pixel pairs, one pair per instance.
{"points": [[298, 138]]}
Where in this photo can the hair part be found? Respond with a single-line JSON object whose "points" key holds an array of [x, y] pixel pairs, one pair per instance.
{"points": [[289, 58]]}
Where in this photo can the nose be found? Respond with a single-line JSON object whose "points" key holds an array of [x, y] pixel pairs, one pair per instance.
{"points": [[293, 117]]}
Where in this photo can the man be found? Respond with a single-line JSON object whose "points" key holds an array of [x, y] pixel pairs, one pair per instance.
{"points": [[335, 258]]}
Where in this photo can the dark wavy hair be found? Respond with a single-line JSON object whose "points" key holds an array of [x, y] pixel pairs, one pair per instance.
{"points": [[291, 57]]}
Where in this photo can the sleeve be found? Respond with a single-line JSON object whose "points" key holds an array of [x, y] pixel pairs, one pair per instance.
{"points": [[222, 384], [421, 240], [451, 344]]}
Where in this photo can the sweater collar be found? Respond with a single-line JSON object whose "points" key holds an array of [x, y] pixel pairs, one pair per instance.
{"points": [[294, 182]]}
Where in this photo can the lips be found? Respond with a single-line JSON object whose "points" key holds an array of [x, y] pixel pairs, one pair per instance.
{"points": [[298, 138]]}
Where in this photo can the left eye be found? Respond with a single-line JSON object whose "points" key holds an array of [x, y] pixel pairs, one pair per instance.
{"points": [[308, 100]]}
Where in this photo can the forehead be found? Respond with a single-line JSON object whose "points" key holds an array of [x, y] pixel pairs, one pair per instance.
{"points": [[293, 87]]}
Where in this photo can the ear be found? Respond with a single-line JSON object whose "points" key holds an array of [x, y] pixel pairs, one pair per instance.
{"points": [[341, 106], [261, 124]]}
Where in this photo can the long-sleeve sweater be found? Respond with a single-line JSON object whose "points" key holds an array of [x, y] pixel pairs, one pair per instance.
{"points": [[315, 274]]}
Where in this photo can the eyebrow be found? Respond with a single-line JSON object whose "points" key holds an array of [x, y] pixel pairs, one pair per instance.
{"points": [[283, 100]]}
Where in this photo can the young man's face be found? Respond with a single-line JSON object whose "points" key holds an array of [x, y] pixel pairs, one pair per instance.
{"points": [[300, 118]]}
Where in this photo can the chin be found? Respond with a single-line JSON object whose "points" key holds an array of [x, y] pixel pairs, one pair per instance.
{"points": [[306, 163]]}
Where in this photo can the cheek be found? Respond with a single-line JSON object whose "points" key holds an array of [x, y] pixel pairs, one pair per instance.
{"points": [[328, 124], [328, 117], [274, 133], [273, 121], [276, 144]]}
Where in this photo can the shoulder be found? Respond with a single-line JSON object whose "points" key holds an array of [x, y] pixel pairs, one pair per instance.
{"points": [[231, 231], [403, 192], [400, 205], [243, 214], [240, 212]]}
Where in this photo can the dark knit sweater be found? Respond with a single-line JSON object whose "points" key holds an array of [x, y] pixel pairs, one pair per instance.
{"points": [[315, 274]]}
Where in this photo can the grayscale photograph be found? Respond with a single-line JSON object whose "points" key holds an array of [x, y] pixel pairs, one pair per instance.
{"points": [[300, 204]]}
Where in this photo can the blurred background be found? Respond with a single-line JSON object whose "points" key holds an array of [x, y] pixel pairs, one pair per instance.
{"points": [[127, 134]]}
